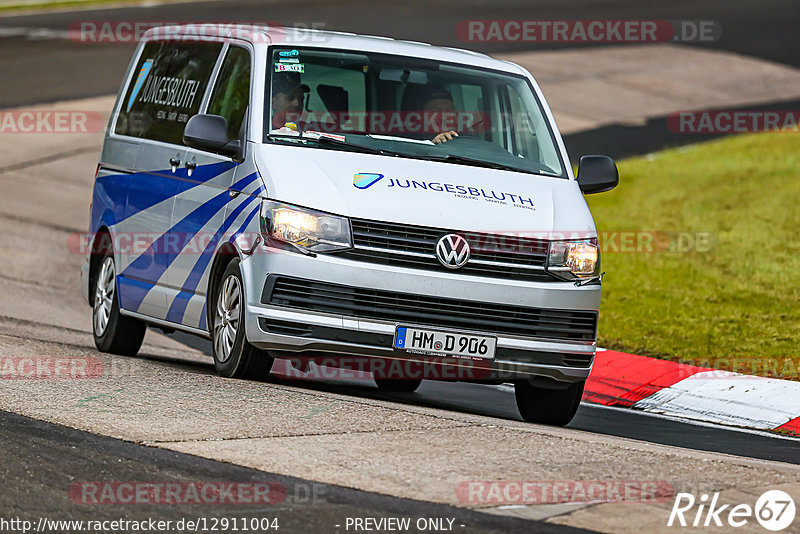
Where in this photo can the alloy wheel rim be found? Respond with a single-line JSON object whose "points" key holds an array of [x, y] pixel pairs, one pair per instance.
{"points": [[226, 321], [104, 295]]}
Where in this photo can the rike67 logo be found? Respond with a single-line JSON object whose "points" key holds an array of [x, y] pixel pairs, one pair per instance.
{"points": [[774, 510]]}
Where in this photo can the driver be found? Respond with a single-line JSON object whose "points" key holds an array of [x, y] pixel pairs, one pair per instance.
{"points": [[433, 98], [288, 93], [440, 101]]}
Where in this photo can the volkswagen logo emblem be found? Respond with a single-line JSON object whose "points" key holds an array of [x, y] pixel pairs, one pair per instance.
{"points": [[452, 251]]}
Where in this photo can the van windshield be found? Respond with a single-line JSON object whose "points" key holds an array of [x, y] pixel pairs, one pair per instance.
{"points": [[408, 107]]}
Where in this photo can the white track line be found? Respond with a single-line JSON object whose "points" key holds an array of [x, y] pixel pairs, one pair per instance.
{"points": [[693, 422]]}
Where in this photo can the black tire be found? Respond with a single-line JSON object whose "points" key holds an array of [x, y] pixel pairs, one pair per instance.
{"points": [[121, 335], [398, 385], [243, 359], [548, 406]]}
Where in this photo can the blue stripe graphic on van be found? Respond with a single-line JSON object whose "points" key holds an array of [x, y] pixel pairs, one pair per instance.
{"points": [[178, 307], [132, 292], [114, 191], [203, 324], [172, 184], [179, 303], [177, 237]]}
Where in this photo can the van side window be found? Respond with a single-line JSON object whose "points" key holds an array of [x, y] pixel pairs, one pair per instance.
{"points": [[232, 93], [166, 90], [528, 125]]}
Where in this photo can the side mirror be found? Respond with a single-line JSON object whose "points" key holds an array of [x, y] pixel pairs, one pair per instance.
{"points": [[210, 133], [597, 174]]}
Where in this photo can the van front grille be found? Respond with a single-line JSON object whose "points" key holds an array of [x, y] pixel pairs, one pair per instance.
{"points": [[491, 255], [424, 310]]}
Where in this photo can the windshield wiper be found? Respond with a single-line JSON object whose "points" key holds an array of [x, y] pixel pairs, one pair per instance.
{"points": [[454, 158], [373, 150], [324, 139], [471, 161], [450, 158]]}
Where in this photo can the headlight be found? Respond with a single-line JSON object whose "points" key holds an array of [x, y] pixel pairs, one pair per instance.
{"points": [[580, 258], [306, 229]]}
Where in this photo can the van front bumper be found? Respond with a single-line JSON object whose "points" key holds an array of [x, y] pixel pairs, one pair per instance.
{"points": [[292, 331]]}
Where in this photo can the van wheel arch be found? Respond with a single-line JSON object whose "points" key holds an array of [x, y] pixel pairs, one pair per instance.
{"points": [[113, 332], [101, 243], [224, 255]]}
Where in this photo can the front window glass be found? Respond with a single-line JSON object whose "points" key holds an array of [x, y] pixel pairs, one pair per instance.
{"points": [[232, 93], [408, 107]]}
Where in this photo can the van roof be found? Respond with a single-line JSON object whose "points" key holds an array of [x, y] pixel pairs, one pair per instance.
{"points": [[302, 37]]}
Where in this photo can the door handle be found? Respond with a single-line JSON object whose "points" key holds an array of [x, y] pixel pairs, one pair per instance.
{"points": [[174, 162], [190, 166], [233, 194]]}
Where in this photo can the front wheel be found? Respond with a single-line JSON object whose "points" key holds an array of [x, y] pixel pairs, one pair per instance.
{"points": [[548, 406], [234, 356], [113, 332]]}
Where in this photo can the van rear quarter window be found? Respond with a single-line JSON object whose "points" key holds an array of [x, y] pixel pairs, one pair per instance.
{"points": [[166, 90]]}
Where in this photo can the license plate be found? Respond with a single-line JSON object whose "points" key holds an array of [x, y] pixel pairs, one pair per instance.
{"points": [[438, 343]]}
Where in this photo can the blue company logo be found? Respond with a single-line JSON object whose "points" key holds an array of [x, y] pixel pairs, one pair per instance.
{"points": [[143, 72], [289, 53], [363, 180]]}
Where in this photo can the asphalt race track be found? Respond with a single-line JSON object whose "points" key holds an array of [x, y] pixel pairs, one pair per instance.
{"points": [[498, 401], [55, 456]]}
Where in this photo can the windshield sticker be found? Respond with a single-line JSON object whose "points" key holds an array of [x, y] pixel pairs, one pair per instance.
{"points": [[289, 53], [289, 67], [401, 139], [364, 180], [310, 134], [289, 60], [143, 72]]}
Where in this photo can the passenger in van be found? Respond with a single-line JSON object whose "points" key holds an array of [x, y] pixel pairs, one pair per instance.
{"points": [[288, 96], [288, 93], [431, 98]]}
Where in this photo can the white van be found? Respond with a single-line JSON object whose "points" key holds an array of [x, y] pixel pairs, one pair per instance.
{"points": [[303, 195]]}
